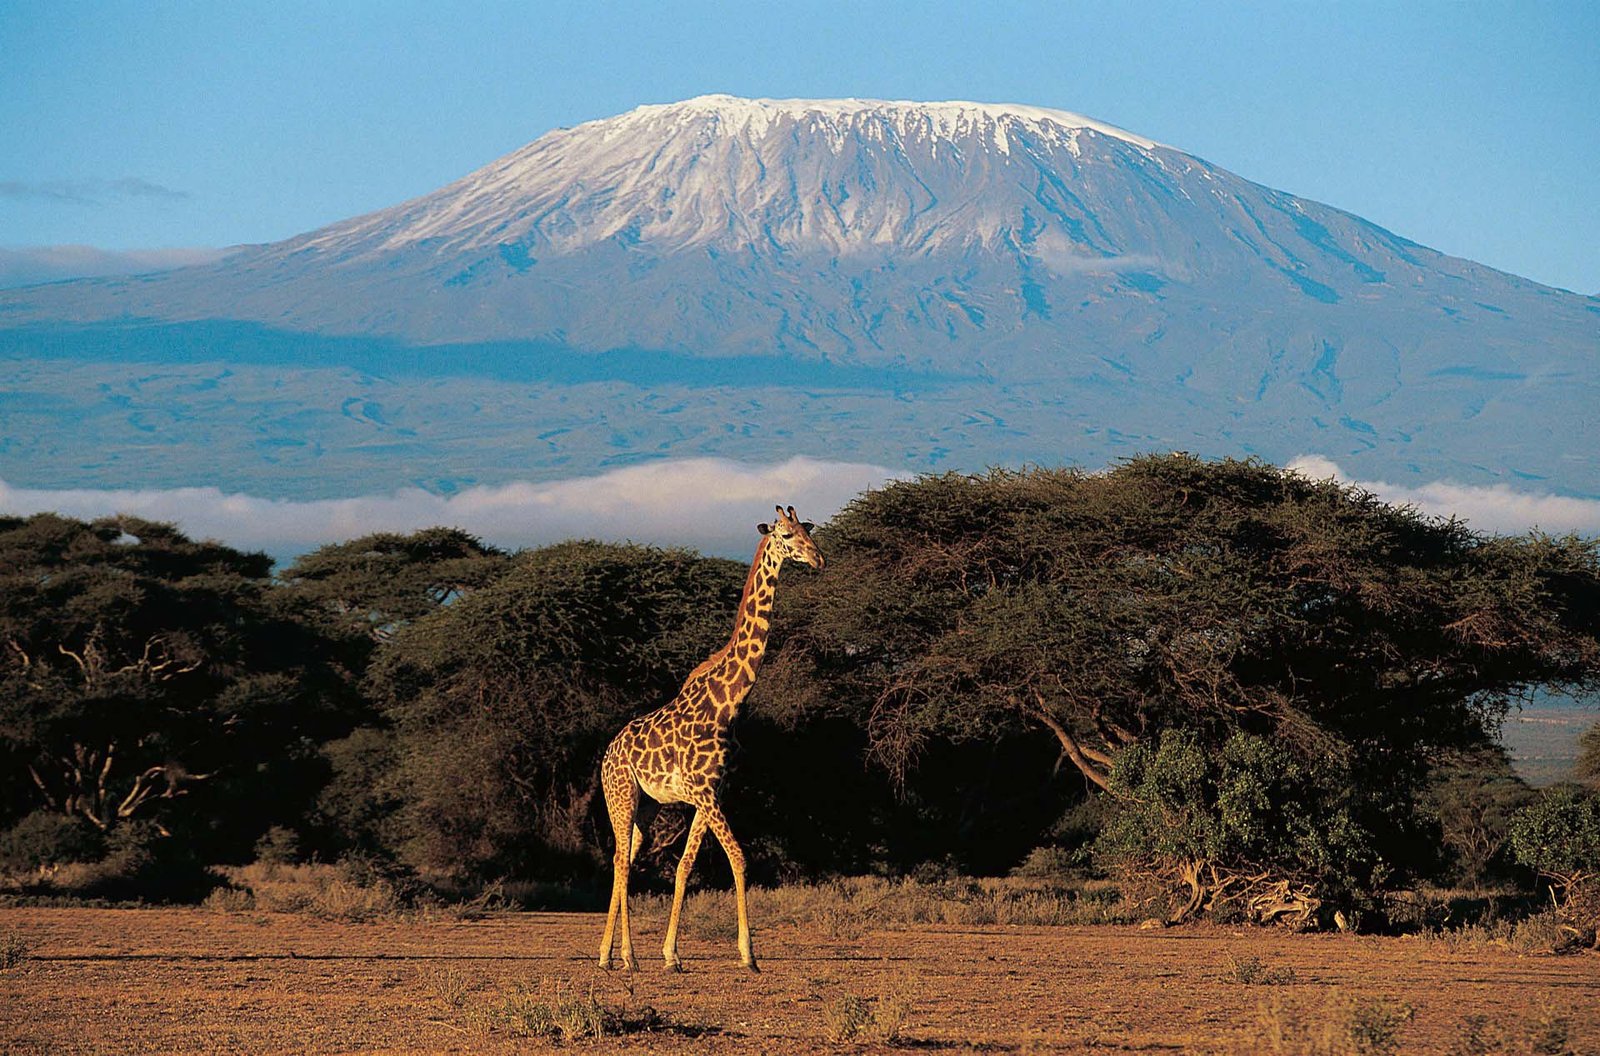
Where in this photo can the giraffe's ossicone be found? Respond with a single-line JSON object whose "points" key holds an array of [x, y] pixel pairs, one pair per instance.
{"points": [[679, 753]]}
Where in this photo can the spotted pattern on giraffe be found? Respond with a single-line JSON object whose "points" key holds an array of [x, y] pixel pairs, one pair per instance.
{"points": [[679, 753]]}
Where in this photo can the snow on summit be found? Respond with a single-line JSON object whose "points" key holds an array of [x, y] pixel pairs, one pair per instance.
{"points": [[834, 175], [755, 116]]}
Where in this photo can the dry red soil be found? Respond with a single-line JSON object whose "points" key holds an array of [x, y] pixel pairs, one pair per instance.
{"points": [[189, 980]]}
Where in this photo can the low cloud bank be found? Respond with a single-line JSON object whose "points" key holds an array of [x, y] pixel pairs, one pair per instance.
{"points": [[710, 504], [1491, 508], [27, 265]]}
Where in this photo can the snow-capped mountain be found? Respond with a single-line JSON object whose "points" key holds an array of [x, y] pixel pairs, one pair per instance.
{"points": [[1050, 267]]}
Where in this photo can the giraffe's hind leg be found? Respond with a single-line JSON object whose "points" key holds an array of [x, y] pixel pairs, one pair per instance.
{"points": [[644, 815], [622, 801]]}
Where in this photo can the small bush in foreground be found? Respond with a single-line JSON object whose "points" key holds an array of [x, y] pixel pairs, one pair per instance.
{"points": [[1544, 1033], [14, 949], [448, 983], [1251, 971], [560, 1011], [852, 1017], [1344, 1026]]}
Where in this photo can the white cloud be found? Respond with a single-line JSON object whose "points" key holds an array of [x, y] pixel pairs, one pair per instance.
{"points": [[1492, 508], [710, 504]]}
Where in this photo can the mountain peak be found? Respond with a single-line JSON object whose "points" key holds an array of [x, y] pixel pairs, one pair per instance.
{"points": [[946, 118], [810, 176]]}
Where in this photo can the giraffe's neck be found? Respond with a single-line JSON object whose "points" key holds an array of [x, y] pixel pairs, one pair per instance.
{"points": [[731, 672]]}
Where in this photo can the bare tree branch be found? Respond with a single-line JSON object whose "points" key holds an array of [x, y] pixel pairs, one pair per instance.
{"points": [[1087, 765]]}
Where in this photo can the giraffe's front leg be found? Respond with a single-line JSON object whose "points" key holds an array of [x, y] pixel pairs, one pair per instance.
{"points": [[724, 833], [669, 949]]}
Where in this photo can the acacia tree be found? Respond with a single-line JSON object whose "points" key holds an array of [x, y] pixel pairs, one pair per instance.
{"points": [[503, 702], [145, 677], [362, 593], [1217, 597], [374, 585]]}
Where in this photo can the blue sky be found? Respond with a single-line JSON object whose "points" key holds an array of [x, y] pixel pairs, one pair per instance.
{"points": [[1471, 128]]}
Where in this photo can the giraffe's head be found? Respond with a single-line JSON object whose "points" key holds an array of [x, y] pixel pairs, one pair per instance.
{"points": [[792, 537]]}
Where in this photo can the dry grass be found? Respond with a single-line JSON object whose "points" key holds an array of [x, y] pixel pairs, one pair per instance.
{"points": [[847, 909], [323, 891], [849, 1016], [559, 1010], [1544, 1033], [1341, 1026], [1542, 933]]}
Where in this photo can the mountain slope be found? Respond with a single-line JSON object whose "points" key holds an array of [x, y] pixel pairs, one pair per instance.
{"points": [[1030, 254]]}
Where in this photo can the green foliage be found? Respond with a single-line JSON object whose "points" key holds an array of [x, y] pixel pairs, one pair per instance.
{"points": [[503, 701], [1237, 825], [1288, 685], [48, 838], [145, 677], [1171, 592], [357, 809], [374, 585], [1558, 834]]}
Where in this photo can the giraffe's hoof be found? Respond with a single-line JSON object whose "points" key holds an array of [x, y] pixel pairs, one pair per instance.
{"points": [[675, 966], [755, 969]]}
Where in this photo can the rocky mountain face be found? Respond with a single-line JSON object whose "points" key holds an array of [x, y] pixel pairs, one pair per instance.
{"points": [[923, 284]]}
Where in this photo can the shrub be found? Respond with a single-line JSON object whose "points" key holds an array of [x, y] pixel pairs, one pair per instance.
{"points": [[14, 949], [1251, 830], [278, 845], [558, 1010], [1544, 1033], [1558, 835], [852, 1017], [1344, 1026], [1251, 971], [48, 838]]}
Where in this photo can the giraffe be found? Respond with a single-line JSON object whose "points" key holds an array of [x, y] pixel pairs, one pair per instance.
{"points": [[678, 753]]}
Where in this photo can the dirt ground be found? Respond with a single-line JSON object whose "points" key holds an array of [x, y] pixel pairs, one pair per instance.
{"points": [[191, 980]]}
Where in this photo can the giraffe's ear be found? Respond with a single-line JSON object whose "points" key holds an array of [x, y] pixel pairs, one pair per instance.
{"points": [[808, 526], [763, 528]]}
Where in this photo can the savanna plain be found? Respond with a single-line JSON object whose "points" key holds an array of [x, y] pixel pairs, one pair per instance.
{"points": [[218, 979]]}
